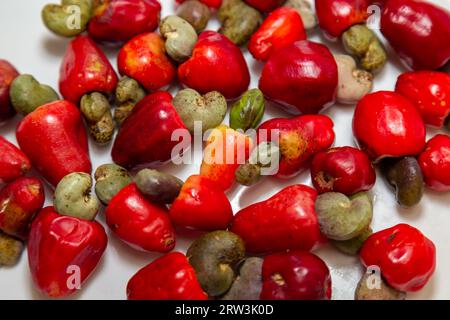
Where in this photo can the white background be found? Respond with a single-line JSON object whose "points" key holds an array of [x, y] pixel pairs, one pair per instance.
{"points": [[28, 45]]}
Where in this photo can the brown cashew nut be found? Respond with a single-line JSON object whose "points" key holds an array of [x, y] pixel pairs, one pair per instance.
{"points": [[376, 290], [97, 112], [180, 37], [248, 284], [128, 93], [10, 250]]}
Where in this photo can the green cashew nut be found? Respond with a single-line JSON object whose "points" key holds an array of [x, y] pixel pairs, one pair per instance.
{"points": [[68, 19], [214, 256], [158, 186], [363, 43], [27, 94], [10, 250], [248, 111], [109, 180], [239, 20], [196, 13], [352, 246], [305, 10], [382, 291], [192, 107], [343, 218], [180, 37], [97, 111], [248, 284], [405, 175], [128, 93], [73, 197]]}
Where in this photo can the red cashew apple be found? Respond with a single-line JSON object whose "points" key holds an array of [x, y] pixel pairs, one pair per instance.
{"points": [[202, 205], [300, 138], [435, 163], [217, 64], [7, 75], [54, 138], [13, 162], [295, 275], [85, 69], [19, 203], [302, 77], [146, 135], [345, 169], [63, 250], [281, 28], [121, 20], [286, 221], [406, 258], [336, 16], [265, 5], [144, 59], [386, 124], [225, 150], [429, 91], [170, 277], [419, 32], [138, 222]]}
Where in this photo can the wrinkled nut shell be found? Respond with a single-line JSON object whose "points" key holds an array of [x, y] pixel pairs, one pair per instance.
{"points": [[353, 83], [192, 107], [73, 197], [248, 111], [352, 246], [341, 217], [158, 186], [180, 37], [214, 256], [366, 290], [10, 250], [196, 13], [248, 284], [97, 111], [68, 19], [128, 93], [305, 10], [110, 179]]}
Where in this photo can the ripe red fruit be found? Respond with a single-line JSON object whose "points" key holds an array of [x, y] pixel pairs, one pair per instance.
{"points": [[7, 75], [265, 5], [435, 163], [13, 162]]}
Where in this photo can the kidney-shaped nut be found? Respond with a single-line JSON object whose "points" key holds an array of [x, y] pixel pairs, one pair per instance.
{"points": [[363, 43], [192, 107], [305, 10], [248, 284], [128, 93], [68, 19], [353, 245], [10, 250], [27, 94], [97, 111], [405, 175], [73, 197], [180, 37], [214, 256], [109, 180], [196, 13], [373, 287], [158, 186], [239, 20], [341, 217], [248, 111], [353, 83]]}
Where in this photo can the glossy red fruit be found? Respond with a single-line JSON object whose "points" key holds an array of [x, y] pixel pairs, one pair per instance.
{"points": [[63, 250], [7, 75], [13, 162], [201, 205], [217, 64], [386, 124], [429, 91], [138, 222], [336, 16], [265, 5], [54, 138], [144, 59], [146, 135], [121, 20], [300, 138], [281, 28], [418, 31], [435, 163], [406, 258], [286, 221], [170, 277], [289, 79], [19, 203], [85, 69], [295, 275], [345, 169]]}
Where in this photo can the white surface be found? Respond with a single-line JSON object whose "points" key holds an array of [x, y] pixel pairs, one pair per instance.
{"points": [[27, 44]]}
